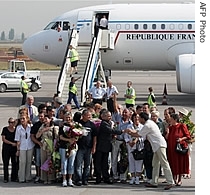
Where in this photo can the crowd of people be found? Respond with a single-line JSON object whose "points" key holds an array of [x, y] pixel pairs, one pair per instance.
{"points": [[96, 142]]}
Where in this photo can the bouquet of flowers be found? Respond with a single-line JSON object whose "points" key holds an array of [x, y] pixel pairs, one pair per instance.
{"points": [[190, 125], [47, 166], [74, 131], [52, 163], [96, 122]]}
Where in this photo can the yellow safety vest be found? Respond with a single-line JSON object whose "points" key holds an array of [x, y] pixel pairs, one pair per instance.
{"points": [[130, 100], [149, 100], [73, 89], [74, 55], [24, 86]]}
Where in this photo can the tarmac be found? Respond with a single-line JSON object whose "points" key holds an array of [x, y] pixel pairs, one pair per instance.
{"points": [[10, 102]]}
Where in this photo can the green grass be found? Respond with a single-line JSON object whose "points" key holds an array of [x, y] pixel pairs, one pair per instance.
{"points": [[33, 65]]}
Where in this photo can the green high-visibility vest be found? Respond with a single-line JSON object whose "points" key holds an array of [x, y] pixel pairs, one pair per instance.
{"points": [[130, 100], [73, 89], [24, 86], [149, 100], [74, 55]]}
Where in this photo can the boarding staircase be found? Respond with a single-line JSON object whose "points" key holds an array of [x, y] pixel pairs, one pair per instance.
{"points": [[89, 68]]}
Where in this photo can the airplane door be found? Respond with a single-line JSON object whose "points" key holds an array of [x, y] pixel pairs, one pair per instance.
{"points": [[84, 25]]}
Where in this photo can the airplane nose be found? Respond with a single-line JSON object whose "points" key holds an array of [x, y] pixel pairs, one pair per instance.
{"points": [[27, 49], [45, 47]]}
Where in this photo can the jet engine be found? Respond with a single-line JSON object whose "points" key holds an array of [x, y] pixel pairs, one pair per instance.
{"points": [[185, 73]]}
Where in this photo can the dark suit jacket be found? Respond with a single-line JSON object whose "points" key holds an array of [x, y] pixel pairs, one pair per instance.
{"points": [[104, 136]]}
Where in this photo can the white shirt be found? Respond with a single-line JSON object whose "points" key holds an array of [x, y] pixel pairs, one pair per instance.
{"points": [[97, 93], [104, 22], [34, 110], [111, 90], [129, 138], [20, 136], [152, 132]]}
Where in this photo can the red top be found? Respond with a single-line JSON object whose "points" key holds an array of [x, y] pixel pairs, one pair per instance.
{"points": [[179, 163]]}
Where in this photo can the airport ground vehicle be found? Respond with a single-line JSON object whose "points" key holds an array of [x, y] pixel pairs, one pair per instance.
{"points": [[17, 65], [11, 81]]}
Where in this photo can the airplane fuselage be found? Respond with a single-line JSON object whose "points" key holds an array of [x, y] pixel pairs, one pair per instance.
{"points": [[147, 36]]}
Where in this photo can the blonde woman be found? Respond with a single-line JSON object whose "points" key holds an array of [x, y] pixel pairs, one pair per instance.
{"points": [[25, 147]]}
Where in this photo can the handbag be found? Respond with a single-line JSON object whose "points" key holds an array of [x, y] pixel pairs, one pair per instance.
{"points": [[181, 149], [138, 154]]}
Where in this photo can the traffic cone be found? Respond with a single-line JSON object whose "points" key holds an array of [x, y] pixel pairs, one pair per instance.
{"points": [[165, 90], [164, 102]]}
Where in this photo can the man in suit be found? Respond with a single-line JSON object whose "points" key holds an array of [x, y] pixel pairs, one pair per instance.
{"points": [[32, 109], [103, 147]]}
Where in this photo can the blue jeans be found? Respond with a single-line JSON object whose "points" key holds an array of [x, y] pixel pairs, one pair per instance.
{"points": [[67, 164], [74, 97], [38, 157], [83, 156]]}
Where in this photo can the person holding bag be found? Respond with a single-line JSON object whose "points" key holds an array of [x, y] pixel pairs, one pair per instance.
{"points": [[135, 166], [151, 131], [179, 162]]}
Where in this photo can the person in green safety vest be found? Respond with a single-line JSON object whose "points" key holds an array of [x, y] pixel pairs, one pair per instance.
{"points": [[151, 98], [73, 92], [130, 95], [24, 89], [74, 58]]}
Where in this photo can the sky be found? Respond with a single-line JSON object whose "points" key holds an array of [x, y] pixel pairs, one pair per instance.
{"points": [[32, 16]]}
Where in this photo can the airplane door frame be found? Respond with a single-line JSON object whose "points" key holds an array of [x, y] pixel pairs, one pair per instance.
{"points": [[100, 14], [84, 26]]}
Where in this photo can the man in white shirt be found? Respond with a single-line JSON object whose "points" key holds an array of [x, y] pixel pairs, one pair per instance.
{"points": [[110, 92], [103, 22], [159, 145], [96, 93]]}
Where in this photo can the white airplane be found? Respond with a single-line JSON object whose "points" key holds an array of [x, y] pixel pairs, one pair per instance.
{"points": [[146, 37]]}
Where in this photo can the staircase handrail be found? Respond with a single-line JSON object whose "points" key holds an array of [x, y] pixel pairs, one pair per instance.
{"points": [[84, 85], [64, 67], [94, 62]]}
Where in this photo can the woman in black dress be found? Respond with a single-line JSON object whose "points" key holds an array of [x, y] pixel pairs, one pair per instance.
{"points": [[9, 149]]}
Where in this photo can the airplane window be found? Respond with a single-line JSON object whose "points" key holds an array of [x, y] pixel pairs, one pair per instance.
{"points": [[180, 26], [163, 26], [136, 26], [127, 26], [50, 25], [118, 26], [145, 26], [171, 26], [66, 25], [189, 26], [154, 26]]}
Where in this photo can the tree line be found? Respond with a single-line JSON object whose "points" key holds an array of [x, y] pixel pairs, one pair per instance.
{"points": [[11, 35]]}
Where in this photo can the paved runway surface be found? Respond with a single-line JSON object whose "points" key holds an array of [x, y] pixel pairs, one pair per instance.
{"points": [[10, 102]]}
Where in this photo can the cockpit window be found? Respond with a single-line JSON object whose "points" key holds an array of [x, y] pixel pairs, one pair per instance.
{"points": [[66, 25], [53, 25]]}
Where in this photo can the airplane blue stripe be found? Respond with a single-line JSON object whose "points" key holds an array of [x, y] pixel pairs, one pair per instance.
{"points": [[84, 21], [145, 21], [142, 21]]}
